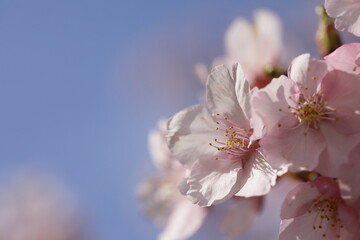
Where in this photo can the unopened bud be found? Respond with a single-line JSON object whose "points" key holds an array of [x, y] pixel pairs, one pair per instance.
{"points": [[273, 71], [327, 37]]}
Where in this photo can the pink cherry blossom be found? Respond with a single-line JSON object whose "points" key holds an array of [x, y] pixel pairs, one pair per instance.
{"points": [[346, 58], [213, 142], [165, 205], [310, 117], [239, 215], [315, 210], [159, 151], [255, 46], [346, 14], [163, 202], [37, 207]]}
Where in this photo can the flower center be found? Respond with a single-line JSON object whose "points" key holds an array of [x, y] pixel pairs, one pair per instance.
{"points": [[312, 110], [326, 216], [236, 143]]}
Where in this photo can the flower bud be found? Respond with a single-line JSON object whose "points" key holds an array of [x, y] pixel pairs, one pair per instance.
{"points": [[327, 38]]}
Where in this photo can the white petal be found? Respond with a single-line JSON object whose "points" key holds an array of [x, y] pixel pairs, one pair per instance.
{"points": [[240, 42], [269, 36], [183, 186], [242, 89], [347, 14], [189, 133], [292, 146], [258, 176], [222, 97], [185, 219], [338, 147], [158, 149], [213, 182]]}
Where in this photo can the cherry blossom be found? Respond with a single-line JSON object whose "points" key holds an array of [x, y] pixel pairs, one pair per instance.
{"points": [[213, 142], [310, 117], [239, 215], [303, 126], [255, 46], [346, 14], [165, 205], [37, 207], [346, 58], [162, 199], [315, 210]]}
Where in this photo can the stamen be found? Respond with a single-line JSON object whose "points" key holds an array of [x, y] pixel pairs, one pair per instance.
{"points": [[326, 215], [236, 143], [311, 110]]}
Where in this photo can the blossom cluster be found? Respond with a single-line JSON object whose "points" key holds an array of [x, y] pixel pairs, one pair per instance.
{"points": [[260, 125]]}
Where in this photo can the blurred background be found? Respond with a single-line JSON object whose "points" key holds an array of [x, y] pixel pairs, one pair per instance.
{"points": [[83, 82]]}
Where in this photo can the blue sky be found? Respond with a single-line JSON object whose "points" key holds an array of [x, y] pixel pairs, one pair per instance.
{"points": [[83, 82]]}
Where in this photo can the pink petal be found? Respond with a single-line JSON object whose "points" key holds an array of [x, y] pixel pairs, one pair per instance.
{"points": [[307, 72], [158, 149], [301, 228], [345, 58], [270, 104], [341, 92], [298, 200], [294, 147], [349, 179], [338, 147], [350, 220], [239, 215]]}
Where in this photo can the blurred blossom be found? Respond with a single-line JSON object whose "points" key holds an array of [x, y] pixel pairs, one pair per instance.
{"points": [[346, 14], [163, 201], [35, 207], [258, 47], [239, 215]]}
